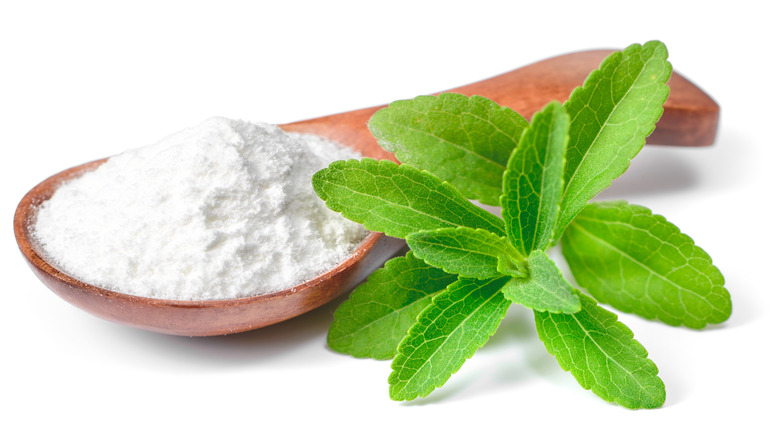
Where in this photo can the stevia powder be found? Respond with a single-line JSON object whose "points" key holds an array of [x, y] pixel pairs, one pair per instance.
{"points": [[218, 211]]}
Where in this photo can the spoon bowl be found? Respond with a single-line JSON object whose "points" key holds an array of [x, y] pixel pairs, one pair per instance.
{"points": [[690, 119], [192, 318]]}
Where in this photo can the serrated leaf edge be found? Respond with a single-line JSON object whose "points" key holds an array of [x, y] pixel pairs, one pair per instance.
{"points": [[375, 274], [717, 282], [644, 133], [496, 222], [394, 146], [429, 388], [551, 107], [613, 318], [502, 263]]}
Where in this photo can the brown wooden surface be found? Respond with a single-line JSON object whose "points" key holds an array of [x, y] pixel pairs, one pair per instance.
{"points": [[193, 318], [690, 116]]}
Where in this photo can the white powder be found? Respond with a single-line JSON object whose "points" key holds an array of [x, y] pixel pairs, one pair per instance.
{"points": [[222, 210]]}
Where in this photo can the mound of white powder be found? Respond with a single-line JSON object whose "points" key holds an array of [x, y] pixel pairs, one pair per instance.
{"points": [[221, 210]]}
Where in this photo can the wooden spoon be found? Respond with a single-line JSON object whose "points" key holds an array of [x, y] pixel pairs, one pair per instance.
{"points": [[690, 119]]}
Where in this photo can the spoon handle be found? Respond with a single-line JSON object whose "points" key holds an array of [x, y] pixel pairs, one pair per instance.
{"points": [[690, 116]]}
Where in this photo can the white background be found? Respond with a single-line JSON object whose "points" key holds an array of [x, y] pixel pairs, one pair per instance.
{"points": [[84, 80]]}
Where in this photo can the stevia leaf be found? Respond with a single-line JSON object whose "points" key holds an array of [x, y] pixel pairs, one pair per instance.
{"points": [[468, 252], [640, 263], [397, 200], [544, 289], [380, 311], [449, 331], [463, 140], [602, 354], [611, 115], [533, 181]]}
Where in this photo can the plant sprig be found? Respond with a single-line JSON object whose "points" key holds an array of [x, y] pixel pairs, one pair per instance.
{"points": [[433, 308]]}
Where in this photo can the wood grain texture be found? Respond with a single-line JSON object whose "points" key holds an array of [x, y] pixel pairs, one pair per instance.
{"points": [[690, 116]]}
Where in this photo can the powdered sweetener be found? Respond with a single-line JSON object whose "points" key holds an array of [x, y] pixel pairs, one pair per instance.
{"points": [[218, 211]]}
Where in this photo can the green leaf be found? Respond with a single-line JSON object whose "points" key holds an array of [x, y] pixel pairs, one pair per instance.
{"points": [[463, 140], [449, 331], [611, 115], [533, 181], [397, 200], [602, 354], [380, 311], [544, 289], [468, 252], [640, 263]]}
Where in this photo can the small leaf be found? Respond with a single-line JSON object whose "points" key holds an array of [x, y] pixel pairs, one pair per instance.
{"points": [[544, 289], [602, 354], [380, 311], [468, 252], [449, 331], [611, 115], [463, 140], [397, 200], [640, 263], [533, 181]]}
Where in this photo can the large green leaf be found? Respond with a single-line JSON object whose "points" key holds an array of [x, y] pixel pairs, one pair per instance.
{"points": [[638, 262], [602, 354], [380, 311], [533, 181], [468, 252], [544, 289], [463, 140], [449, 331], [397, 200], [611, 115]]}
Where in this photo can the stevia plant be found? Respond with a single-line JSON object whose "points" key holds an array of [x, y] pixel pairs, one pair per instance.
{"points": [[431, 309]]}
